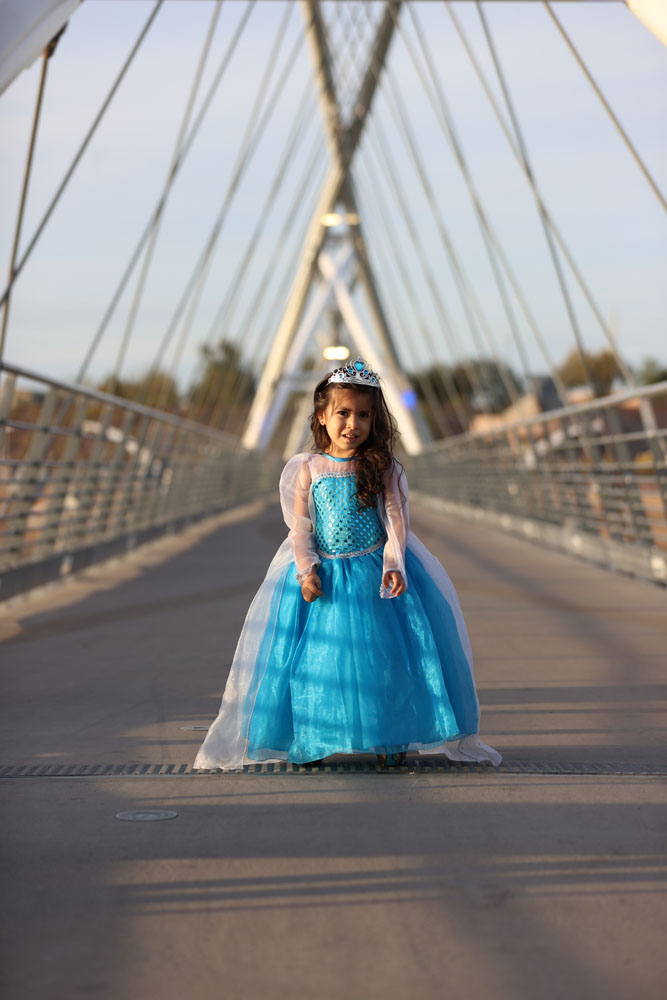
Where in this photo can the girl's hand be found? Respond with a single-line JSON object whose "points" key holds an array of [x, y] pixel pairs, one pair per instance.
{"points": [[311, 588], [393, 582]]}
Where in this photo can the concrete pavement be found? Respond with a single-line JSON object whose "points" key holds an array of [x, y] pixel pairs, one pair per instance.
{"points": [[333, 885]]}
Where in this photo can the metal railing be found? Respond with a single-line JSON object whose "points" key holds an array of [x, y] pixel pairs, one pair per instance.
{"points": [[590, 479], [84, 475]]}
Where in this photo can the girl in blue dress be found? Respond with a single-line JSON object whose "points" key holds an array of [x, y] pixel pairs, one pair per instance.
{"points": [[355, 641]]}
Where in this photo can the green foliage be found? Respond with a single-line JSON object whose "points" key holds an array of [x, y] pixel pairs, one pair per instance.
{"points": [[651, 371], [225, 384], [155, 389], [480, 383], [599, 369]]}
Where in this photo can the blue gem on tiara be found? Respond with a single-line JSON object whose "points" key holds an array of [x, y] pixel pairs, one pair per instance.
{"points": [[354, 373]]}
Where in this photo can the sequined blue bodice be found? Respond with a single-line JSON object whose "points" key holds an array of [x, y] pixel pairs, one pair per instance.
{"points": [[340, 527]]}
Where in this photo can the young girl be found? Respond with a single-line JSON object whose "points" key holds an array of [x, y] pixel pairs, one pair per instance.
{"points": [[355, 641]]}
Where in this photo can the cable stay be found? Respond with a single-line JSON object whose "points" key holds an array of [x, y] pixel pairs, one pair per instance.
{"points": [[605, 104], [252, 136], [159, 207], [343, 142], [46, 55], [542, 209], [175, 157], [471, 306], [295, 137], [82, 148], [442, 111], [417, 322], [648, 414], [379, 147], [492, 242], [260, 342]]}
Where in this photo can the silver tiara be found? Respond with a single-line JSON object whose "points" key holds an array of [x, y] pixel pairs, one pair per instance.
{"points": [[354, 373]]}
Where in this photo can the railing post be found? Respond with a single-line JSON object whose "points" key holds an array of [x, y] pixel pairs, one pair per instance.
{"points": [[51, 537], [28, 483]]}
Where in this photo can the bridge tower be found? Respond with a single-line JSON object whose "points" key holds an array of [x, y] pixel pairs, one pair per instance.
{"points": [[331, 263]]}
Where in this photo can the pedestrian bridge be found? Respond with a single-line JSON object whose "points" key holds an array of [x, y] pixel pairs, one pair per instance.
{"points": [[119, 662], [110, 679], [331, 230], [86, 475], [138, 515]]}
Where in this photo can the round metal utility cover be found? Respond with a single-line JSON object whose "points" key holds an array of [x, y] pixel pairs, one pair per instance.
{"points": [[145, 815]]}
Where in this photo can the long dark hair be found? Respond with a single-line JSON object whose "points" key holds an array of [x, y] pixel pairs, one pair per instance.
{"points": [[376, 455]]}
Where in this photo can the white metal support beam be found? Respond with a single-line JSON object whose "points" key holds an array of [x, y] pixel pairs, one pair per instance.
{"points": [[301, 341], [343, 142], [375, 354]]}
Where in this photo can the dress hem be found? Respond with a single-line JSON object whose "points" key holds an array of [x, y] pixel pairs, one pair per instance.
{"points": [[273, 754]]}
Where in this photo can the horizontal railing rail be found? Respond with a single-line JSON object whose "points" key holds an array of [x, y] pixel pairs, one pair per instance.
{"points": [[84, 474], [589, 478], [81, 469]]}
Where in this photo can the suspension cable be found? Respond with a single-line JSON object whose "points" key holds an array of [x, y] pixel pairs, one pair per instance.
{"points": [[309, 172], [442, 373], [294, 138], [260, 333], [627, 374], [46, 55], [391, 240], [560, 275], [384, 215], [249, 144], [93, 128], [176, 153], [400, 324], [237, 280], [465, 291], [493, 238], [251, 335], [159, 208], [379, 145], [605, 104], [345, 71], [440, 106], [380, 148], [471, 305]]}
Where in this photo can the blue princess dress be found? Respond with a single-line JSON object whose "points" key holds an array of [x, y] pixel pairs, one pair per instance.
{"points": [[355, 671]]}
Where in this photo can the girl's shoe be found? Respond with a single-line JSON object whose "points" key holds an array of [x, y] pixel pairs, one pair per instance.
{"points": [[391, 759], [312, 763]]}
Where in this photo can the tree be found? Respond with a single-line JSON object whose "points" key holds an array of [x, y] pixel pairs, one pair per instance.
{"points": [[155, 389], [479, 384], [651, 371], [225, 383], [601, 369]]}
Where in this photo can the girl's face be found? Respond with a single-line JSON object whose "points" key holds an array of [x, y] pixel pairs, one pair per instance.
{"points": [[347, 419]]}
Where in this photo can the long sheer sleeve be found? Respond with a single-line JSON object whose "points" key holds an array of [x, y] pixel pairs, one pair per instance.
{"points": [[395, 514], [295, 483]]}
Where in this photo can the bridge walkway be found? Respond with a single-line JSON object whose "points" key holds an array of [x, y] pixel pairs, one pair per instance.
{"points": [[364, 885]]}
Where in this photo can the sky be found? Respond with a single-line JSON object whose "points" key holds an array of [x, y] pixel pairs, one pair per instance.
{"points": [[611, 221]]}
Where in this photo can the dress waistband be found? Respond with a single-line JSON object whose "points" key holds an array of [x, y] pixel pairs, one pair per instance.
{"points": [[350, 555]]}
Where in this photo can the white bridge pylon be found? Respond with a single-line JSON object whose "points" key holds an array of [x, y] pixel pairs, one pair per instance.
{"points": [[324, 278]]}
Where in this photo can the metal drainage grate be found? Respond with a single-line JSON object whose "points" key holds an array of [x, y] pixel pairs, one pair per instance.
{"points": [[146, 815], [419, 765]]}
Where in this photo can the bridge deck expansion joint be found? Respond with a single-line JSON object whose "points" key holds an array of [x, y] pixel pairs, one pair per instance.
{"points": [[429, 765]]}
